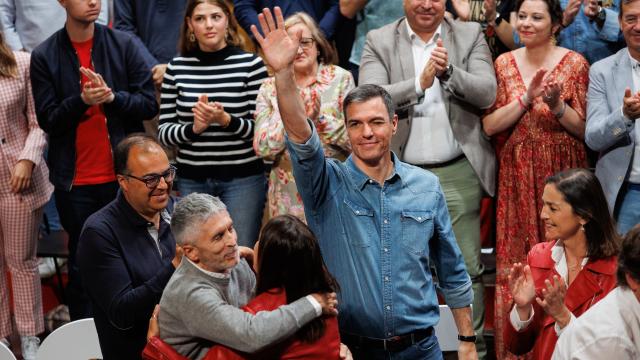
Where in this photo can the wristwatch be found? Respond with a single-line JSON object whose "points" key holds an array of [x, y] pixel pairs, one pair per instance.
{"points": [[467, 338], [447, 73]]}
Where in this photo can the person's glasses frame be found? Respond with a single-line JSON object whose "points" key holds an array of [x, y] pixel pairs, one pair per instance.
{"points": [[153, 180], [306, 42]]}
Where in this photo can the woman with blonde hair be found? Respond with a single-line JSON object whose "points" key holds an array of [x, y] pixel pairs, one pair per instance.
{"points": [[26, 189], [323, 86]]}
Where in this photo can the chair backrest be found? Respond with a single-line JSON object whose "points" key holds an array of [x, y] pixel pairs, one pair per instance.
{"points": [[5, 353], [446, 330], [77, 340]]}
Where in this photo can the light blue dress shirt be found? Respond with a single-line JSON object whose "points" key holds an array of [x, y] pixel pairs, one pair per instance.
{"points": [[27, 23], [380, 241]]}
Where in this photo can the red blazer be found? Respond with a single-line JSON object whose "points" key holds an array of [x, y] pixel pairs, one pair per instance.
{"points": [[593, 283], [327, 347]]}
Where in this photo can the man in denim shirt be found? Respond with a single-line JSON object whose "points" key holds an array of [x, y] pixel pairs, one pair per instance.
{"points": [[593, 32], [381, 223]]}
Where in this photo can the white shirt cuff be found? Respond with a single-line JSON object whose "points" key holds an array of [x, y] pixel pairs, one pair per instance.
{"points": [[419, 90], [316, 305], [518, 324], [559, 331]]}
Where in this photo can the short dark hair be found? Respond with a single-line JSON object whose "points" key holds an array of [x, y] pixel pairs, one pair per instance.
{"points": [[554, 8], [121, 153], [289, 258], [581, 189], [367, 92], [621, 10], [629, 259]]}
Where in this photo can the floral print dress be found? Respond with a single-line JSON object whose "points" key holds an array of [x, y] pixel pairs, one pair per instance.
{"points": [[331, 84]]}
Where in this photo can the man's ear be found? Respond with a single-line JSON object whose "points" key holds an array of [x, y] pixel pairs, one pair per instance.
{"points": [[394, 122], [123, 182], [191, 252]]}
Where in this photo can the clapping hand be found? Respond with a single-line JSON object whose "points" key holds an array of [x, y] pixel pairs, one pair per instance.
{"points": [[552, 300], [522, 288], [570, 12], [631, 104], [439, 58], [206, 113], [278, 47], [536, 86], [551, 93], [95, 91]]}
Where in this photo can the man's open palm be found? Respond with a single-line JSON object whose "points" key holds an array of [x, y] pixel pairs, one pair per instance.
{"points": [[278, 47]]}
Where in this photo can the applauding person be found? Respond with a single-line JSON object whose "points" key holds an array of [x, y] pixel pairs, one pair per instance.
{"points": [[207, 105], [569, 273]]}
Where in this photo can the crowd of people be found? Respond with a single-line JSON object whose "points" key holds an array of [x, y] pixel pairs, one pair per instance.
{"points": [[284, 193]]}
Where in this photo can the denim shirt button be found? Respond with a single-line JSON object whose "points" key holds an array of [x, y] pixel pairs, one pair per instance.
{"points": [[358, 212], [386, 278], [386, 221], [388, 307], [385, 249]]}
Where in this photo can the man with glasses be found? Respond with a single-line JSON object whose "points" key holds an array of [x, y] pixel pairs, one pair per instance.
{"points": [[126, 251]]}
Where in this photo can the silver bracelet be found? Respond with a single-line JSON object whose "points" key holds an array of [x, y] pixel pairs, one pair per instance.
{"points": [[560, 113]]}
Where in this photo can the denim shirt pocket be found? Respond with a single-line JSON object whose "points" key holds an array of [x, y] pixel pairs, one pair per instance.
{"points": [[417, 229], [358, 225]]}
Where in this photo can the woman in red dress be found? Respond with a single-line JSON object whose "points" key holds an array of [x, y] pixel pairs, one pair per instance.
{"points": [[565, 276], [540, 108]]}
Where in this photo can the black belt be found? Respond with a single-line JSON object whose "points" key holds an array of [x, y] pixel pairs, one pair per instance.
{"points": [[442, 164], [392, 344]]}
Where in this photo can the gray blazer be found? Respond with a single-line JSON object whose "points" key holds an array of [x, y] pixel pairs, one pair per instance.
{"points": [[387, 60], [607, 131]]}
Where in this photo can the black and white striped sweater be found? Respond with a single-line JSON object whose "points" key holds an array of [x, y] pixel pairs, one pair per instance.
{"points": [[231, 77]]}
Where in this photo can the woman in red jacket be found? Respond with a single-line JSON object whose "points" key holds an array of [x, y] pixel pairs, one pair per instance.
{"points": [[289, 266], [570, 272]]}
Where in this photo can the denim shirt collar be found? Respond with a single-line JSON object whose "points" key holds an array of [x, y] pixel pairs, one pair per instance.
{"points": [[360, 179]]}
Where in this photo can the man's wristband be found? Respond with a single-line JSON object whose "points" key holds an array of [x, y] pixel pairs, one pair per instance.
{"points": [[467, 338]]}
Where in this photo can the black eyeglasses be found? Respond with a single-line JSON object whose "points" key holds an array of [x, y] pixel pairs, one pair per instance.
{"points": [[306, 42], [153, 180]]}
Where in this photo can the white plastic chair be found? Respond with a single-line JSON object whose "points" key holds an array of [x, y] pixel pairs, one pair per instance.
{"points": [[77, 340], [446, 330], [5, 353]]}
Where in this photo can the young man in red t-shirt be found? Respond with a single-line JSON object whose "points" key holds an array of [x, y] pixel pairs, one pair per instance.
{"points": [[92, 87]]}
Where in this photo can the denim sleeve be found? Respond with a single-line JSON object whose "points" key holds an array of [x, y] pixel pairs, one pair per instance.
{"points": [[610, 30], [310, 169], [454, 281]]}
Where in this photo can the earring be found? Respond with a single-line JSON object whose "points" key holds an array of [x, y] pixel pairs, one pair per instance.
{"points": [[582, 227], [192, 36], [553, 40]]}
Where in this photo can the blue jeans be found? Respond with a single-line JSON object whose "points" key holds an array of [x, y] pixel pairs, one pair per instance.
{"points": [[628, 214], [427, 349], [244, 198]]}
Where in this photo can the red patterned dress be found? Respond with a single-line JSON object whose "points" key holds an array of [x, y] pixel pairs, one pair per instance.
{"points": [[536, 147]]}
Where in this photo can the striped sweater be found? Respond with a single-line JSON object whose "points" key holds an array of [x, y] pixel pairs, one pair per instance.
{"points": [[230, 77]]}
